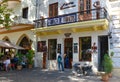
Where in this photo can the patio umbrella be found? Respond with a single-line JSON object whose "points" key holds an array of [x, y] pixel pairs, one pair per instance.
{"points": [[16, 46], [9, 45]]}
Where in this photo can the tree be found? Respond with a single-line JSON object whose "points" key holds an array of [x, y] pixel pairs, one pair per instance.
{"points": [[5, 13]]}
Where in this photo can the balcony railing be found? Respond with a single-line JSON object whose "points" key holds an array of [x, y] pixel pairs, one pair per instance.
{"points": [[88, 15]]}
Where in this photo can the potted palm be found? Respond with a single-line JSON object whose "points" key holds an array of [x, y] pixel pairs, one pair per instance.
{"points": [[30, 60], [107, 64], [19, 62]]}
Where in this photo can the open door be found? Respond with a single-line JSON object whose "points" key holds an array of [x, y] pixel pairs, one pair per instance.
{"points": [[68, 50], [103, 48]]}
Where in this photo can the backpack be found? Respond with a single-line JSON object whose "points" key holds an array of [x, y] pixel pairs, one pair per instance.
{"points": [[59, 59]]}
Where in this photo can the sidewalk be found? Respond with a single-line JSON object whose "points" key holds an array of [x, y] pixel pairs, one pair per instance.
{"points": [[116, 76], [39, 75]]}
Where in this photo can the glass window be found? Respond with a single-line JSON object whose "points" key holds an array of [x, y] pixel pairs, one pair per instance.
{"points": [[81, 6], [85, 48], [88, 6], [53, 9], [52, 43], [25, 12], [85, 5], [40, 46]]}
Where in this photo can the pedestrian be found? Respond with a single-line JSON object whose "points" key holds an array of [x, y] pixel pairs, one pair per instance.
{"points": [[60, 63], [66, 61]]}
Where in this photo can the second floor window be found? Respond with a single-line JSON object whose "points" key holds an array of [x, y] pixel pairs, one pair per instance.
{"points": [[25, 12], [85, 5], [53, 9], [88, 6]]}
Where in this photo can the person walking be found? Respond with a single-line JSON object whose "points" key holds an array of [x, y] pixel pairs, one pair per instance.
{"points": [[60, 63]]}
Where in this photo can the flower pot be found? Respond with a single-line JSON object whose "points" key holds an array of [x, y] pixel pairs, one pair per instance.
{"points": [[19, 67], [30, 66], [105, 77], [110, 75]]}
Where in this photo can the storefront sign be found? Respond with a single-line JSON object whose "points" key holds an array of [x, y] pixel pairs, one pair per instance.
{"points": [[67, 5], [75, 47], [61, 20], [59, 48]]}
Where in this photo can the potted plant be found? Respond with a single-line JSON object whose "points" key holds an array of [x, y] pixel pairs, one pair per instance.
{"points": [[30, 60], [107, 64], [19, 62]]}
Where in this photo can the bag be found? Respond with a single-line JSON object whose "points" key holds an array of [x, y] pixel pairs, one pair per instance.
{"points": [[59, 59]]}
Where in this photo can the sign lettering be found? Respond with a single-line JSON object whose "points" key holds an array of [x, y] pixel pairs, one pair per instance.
{"points": [[61, 20]]}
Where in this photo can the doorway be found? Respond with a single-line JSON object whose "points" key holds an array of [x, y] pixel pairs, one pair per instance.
{"points": [[103, 48], [68, 50], [52, 49]]}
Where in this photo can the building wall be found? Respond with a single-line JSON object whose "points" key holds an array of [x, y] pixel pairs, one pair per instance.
{"points": [[31, 4], [44, 7], [114, 7], [52, 64], [42, 10]]}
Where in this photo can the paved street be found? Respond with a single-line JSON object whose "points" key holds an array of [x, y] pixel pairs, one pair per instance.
{"points": [[38, 75]]}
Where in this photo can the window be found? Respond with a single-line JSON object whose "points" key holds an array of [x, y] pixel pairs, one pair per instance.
{"points": [[85, 5], [53, 9], [85, 49], [82, 6], [41, 46], [52, 43], [88, 6], [25, 12]]}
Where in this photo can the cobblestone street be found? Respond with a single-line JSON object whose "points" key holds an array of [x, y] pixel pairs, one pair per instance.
{"points": [[38, 75]]}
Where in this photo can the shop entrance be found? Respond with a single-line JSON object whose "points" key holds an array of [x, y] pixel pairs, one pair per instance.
{"points": [[103, 48], [68, 50]]}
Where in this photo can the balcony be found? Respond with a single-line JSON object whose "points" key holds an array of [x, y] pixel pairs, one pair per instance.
{"points": [[90, 20]]}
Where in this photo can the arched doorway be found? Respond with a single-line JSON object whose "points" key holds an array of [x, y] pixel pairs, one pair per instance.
{"points": [[24, 42]]}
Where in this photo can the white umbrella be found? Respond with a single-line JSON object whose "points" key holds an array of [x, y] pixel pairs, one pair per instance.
{"points": [[9, 45]]}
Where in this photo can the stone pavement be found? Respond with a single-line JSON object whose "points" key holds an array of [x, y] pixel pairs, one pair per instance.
{"points": [[39, 75]]}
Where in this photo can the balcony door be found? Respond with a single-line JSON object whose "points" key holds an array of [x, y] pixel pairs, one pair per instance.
{"points": [[53, 10], [85, 10]]}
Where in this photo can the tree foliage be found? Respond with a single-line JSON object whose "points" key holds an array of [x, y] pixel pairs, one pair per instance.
{"points": [[5, 13]]}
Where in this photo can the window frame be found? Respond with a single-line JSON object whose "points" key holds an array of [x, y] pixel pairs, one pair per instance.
{"points": [[53, 9], [85, 46], [84, 6], [25, 12], [52, 47]]}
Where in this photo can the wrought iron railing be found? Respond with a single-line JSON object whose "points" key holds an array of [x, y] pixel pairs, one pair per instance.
{"points": [[93, 14]]}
